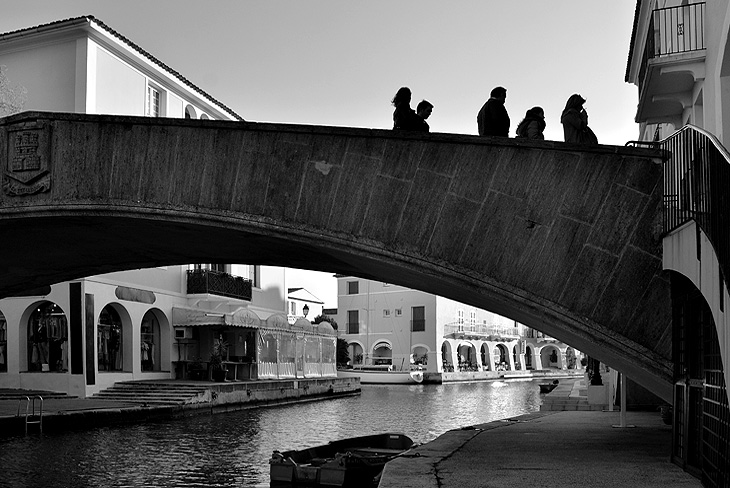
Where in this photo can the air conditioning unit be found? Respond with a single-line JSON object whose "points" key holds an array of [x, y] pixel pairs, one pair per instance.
{"points": [[183, 333]]}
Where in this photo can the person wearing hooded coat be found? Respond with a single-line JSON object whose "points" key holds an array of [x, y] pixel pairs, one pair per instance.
{"points": [[575, 122], [533, 125]]}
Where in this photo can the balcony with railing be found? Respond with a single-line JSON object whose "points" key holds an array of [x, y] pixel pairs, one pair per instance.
{"points": [[218, 283], [673, 61]]}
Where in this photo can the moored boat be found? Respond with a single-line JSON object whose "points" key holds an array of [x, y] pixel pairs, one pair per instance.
{"points": [[355, 461], [548, 387], [382, 376]]}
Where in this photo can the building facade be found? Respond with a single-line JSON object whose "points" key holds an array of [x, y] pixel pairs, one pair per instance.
{"points": [[399, 328], [679, 58], [83, 336], [302, 304]]}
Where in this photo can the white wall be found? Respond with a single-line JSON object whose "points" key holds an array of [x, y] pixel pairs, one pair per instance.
{"points": [[680, 254], [47, 72], [271, 297], [170, 279], [175, 106], [120, 89]]}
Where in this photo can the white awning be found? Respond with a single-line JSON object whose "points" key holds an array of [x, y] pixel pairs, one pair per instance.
{"points": [[195, 317]]}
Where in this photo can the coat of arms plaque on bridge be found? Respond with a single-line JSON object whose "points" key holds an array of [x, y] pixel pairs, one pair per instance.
{"points": [[28, 161]]}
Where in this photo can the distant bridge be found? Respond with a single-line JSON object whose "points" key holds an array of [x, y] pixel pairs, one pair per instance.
{"points": [[563, 238]]}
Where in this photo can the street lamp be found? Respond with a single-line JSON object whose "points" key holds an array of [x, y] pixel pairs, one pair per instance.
{"points": [[305, 310]]}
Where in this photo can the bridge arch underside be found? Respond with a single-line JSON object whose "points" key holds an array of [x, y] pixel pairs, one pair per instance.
{"points": [[556, 236]]}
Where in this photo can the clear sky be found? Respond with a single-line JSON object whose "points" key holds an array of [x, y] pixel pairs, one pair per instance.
{"points": [[337, 62]]}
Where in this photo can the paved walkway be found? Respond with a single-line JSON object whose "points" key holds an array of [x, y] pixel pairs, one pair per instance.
{"points": [[546, 449]]}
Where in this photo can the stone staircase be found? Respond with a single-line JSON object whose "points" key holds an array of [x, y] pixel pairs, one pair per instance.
{"points": [[569, 396], [20, 394], [155, 393]]}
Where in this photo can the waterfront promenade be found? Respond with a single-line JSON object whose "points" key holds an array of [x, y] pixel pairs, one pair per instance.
{"points": [[567, 448], [546, 449]]}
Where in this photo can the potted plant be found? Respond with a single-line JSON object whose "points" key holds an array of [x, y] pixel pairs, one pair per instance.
{"points": [[217, 356]]}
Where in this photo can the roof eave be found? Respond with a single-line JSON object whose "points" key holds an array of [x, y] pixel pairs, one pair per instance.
{"points": [[637, 12]]}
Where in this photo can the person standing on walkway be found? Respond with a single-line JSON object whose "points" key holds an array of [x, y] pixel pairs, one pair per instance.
{"points": [[493, 119], [404, 117], [423, 110], [575, 122], [533, 125]]}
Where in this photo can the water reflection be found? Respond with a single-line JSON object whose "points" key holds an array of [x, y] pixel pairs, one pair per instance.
{"points": [[233, 449]]}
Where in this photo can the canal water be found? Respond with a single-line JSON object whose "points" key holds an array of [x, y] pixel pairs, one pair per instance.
{"points": [[233, 449]]}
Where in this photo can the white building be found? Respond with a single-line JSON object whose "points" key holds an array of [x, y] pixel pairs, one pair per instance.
{"points": [[83, 336], [679, 58], [81, 65], [397, 327]]}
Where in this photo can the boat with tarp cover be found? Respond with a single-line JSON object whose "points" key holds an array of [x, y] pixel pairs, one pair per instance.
{"points": [[351, 462]]}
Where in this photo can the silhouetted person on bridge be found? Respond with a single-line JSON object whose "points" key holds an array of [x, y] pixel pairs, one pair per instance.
{"points": [[423, 110], [575, 122], [533, 125], [404, 117], [493, 119]]}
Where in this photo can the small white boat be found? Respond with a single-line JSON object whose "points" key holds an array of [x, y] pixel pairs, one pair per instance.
{"points": [[382, 376]]}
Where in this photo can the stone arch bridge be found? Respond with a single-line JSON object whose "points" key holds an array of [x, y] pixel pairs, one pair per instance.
{"points": [[563, 238]]}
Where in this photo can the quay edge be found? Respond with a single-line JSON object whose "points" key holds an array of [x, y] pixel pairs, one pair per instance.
{"points": [[465, 376], [71, 413]]}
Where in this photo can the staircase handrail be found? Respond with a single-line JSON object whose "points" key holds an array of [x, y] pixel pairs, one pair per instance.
{"points": [[697, 187], [712, 137]]}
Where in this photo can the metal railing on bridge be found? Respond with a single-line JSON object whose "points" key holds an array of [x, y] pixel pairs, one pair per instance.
{"points": [[697, 187]]}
